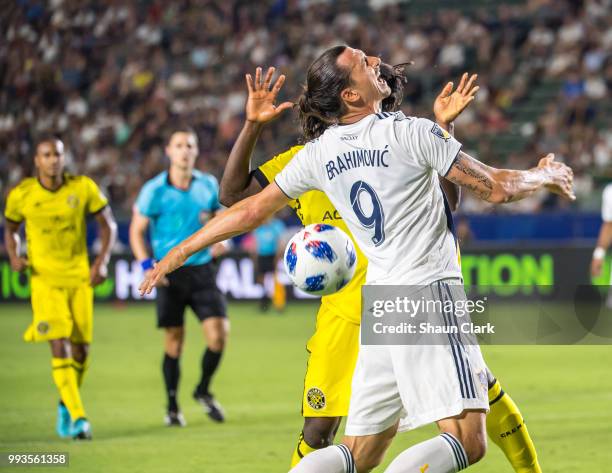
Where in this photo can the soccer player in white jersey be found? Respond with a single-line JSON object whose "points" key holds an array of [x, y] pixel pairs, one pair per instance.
{"points": [[405, 234]]}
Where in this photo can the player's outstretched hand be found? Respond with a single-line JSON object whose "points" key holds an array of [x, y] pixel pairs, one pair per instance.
{"points": [[449, 104], [560, 176], [173, 260], [260, 106], [19, 264]]}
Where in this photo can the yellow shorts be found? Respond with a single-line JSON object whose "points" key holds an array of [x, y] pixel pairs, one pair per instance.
{"points": [[333, 353], [60, 312]]}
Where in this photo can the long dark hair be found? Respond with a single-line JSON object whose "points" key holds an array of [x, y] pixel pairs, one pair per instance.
{"points": [[320, 104], [395, 77]]}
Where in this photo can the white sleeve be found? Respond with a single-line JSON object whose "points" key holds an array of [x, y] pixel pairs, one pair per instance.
{"points": [[429, 144], [298, 176], [606, 205]]}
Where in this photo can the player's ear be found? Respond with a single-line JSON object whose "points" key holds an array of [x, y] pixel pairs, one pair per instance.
{"points": [[349, 95]]}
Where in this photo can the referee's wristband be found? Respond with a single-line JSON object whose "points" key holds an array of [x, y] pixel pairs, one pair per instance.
{"points": [[147, 264], [599, 253]]}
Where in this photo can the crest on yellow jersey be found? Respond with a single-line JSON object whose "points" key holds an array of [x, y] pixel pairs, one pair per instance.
{"points": [[315, 398]]}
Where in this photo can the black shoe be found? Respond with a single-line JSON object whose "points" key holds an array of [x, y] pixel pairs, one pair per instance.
{"points": [[211, 407], [175, 419]]}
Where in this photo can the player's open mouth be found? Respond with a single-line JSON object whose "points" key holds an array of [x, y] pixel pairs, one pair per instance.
{"points": [[381, 81]]}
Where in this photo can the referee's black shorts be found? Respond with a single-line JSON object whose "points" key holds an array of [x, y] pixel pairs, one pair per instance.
{"points": [[194, 286], [265, 264]]}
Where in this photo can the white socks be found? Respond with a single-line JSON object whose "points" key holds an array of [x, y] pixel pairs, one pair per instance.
{"points": [[334, 459], [442, 454]]}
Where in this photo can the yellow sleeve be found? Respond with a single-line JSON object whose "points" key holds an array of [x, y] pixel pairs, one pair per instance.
{"points": [[271, 168], [95, 199], [13, 208]]}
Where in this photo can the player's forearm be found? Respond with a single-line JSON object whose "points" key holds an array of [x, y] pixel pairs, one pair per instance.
{"points": [[108, 237], [236, 177], [138, 243], [512, 185], [605, 236], [496, 185], [12, 241], [240, 218]]}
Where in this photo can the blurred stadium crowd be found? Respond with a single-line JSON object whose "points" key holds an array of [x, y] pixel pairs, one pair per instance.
{"points": [[111, 76]]}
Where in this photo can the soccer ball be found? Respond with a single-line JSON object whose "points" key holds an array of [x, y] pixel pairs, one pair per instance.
{"points": [[320, 259]]}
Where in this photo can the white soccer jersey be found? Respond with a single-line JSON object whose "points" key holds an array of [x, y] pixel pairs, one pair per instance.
{"points": [[381, 173], [606, 204]]}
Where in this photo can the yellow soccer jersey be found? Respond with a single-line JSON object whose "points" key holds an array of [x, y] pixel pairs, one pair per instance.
{"points": [[56, 227], [315, 207]]}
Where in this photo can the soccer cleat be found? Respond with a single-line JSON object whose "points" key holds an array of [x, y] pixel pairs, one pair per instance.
{"points": [[175, 419], [81, 429], [212, 408], [64, 422]]}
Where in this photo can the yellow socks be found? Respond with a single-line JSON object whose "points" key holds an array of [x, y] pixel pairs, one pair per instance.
{"points": [[507, 429], [80, 370], [65, 379], [301, 450]]}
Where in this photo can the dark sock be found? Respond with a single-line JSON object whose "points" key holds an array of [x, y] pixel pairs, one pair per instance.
{"points": [[172, 372], [210, 362]]}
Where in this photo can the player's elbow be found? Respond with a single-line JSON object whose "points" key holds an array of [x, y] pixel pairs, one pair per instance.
{"points": [[226, 197]]}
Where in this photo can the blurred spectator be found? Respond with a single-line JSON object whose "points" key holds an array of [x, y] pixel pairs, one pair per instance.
{"points": [[109, 76]]}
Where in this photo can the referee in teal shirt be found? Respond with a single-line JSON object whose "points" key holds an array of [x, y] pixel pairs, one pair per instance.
{"points": [[172, 206]]}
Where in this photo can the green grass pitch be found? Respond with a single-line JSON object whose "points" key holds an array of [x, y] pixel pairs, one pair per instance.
{"points": [[565, 394]]}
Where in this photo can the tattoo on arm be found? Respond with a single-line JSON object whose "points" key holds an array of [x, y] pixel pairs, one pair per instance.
{"points": [[470, 169]]}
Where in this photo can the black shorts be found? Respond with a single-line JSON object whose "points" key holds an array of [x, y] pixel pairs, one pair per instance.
{"points": [[193, 286], [265, 264]]}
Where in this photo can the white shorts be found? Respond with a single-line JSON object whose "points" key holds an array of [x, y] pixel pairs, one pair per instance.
{"points": [[418, 384]]}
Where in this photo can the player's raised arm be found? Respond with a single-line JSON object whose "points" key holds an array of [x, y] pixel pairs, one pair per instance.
{"points": [[242, 217], [236, 182], [506, 185], [447, 107]]}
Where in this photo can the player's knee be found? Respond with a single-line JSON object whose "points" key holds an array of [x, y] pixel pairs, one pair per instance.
{"points": [[475, 446], [174, 343], [319, 432], [216, 342], [80, 352], [367, 460]]}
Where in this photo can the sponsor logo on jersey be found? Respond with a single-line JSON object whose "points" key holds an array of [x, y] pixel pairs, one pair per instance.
{"points": [[72, 201], [315, 398], [331, 215], [440, 132]]}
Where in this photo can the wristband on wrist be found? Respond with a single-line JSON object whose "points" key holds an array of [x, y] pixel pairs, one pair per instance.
{"points": [[599, 253], [147, 264]]}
